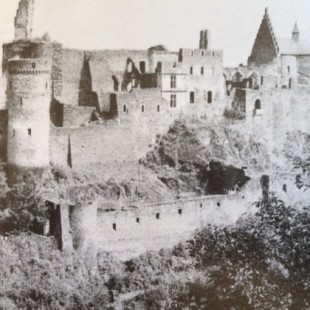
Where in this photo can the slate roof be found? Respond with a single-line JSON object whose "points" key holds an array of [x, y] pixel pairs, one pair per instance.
{"points": [[293, 47]]}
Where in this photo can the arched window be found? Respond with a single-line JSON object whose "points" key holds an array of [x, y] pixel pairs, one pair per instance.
{"points": [[237, 77], [258, 104], [254, 81], [115, 83]]}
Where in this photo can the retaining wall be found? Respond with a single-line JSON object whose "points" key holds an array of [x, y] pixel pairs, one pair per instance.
{"points": [[131, 232]]}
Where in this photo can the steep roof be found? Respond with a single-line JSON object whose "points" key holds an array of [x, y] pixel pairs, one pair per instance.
{"points": [[293, 47], [265, 48]]}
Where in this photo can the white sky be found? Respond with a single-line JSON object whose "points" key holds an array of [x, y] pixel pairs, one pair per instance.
{"points": [[139, 24]]}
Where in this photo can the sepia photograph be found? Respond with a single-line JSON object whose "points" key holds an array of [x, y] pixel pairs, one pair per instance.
{"points": [[155, 154]]}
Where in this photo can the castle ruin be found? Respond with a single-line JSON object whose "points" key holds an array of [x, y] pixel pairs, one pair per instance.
{"points": [[106, 107]]}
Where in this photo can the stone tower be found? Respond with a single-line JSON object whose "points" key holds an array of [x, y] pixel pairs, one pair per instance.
{"points": [[27, 68], [295, 33], [23, 20], [205, 39]]}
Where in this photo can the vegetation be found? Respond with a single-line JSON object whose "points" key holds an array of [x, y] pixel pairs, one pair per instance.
{"points": [[259, 263], [235, 114]]}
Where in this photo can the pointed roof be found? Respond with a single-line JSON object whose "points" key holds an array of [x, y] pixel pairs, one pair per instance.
{"points": [[265, 48], [295, 30]]}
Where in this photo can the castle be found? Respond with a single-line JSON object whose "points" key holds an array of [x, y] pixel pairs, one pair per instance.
{"points": [[103, 109], [59, 99]]}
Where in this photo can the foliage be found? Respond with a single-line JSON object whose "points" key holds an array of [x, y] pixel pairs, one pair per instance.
{"points": [[234, 114]]}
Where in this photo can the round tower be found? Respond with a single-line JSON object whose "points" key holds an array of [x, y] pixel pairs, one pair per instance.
{"points": [[28, 103]]}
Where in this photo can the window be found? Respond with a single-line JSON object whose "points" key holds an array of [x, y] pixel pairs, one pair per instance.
{"points": [[13, 133], [213, 54], [21, 101], [202, 53], [138, 220], [158, 108], [124, 108], [142, 109], [157, 216], [46, 85], [191, 70], [114, 226], [173, 81], [33, 65], [210, 97], [288, 69], [29, 131], [218, 204], [129, 67], [258, 104], [142, 66], [180, 211], [261, 80], [173, 100], [202, 70], [192, 53], [174, 65], [192, 97]]}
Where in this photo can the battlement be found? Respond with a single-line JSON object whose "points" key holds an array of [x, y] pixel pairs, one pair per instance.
{"points": [[28, 66], [200, 53]]}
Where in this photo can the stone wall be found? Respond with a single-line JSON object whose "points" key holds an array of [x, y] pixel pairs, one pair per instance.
{"points": [[28, 98], [23, 20], [129, 233], [3, 134], [76, 116], [303, 67], [83, 224], [69, 71]]}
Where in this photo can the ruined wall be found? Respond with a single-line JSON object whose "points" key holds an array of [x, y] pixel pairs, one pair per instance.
{"points": [[83, 224], [303, 67], [161, 58], [71, 70], [72, 67], [23, 20], [131, 232], [299, 108], [289, 74], [59, 225], [76, 116], [116, 144], [204, 69]]}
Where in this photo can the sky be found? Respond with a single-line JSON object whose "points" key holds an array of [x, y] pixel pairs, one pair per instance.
{"points": [[139, 24]]}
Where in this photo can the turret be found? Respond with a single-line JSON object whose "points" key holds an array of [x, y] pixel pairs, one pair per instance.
{"points": [[295, 33], [27, 68], [205, 39]]}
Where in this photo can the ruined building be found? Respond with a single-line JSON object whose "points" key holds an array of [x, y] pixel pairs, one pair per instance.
{"points": [[106, 107], [100, 111]]}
